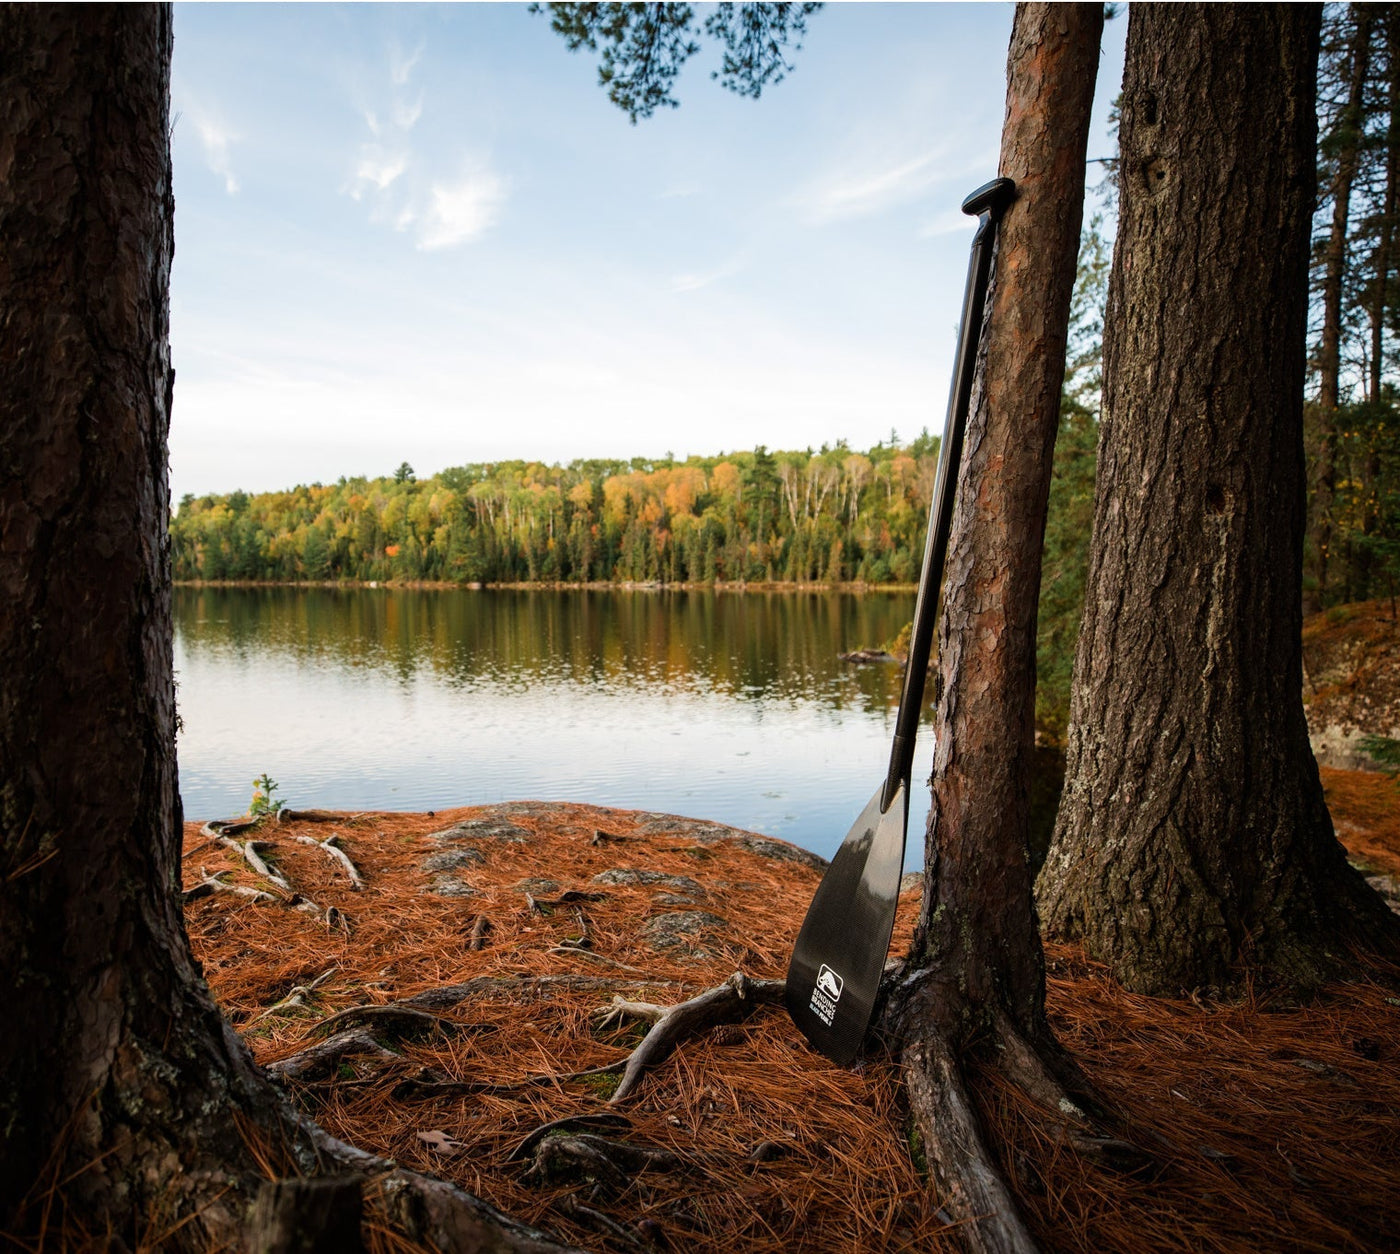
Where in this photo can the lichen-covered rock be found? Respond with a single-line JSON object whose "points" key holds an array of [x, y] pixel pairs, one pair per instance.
{"points": [[482, 829], [450, 886], [632, 875], [708, 833], [453, 860], [681, 929], [673, 899], [538, 886]]}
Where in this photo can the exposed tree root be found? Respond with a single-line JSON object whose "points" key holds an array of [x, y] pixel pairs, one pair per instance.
{"points": [[331, 848], [479, 930], [285, 815], [295, 1000], [602, 1119], [610, 1163], [216, 828], [735, 999], [958, 1159], [248, 851], [320, 1060], [213, 884], [403, 1022]]}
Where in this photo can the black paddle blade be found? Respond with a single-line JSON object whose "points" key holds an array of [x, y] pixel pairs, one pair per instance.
{"points": [[840, 951]]}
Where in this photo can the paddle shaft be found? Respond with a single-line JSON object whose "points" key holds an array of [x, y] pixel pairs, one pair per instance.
{"points": [[988, 203]]}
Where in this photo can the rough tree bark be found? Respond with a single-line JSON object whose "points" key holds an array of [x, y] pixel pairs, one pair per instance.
{"points": [[1192, 834], [1329, 353], [124, 1097], [975, 973]]}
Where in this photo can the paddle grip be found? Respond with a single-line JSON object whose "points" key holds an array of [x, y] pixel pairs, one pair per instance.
{"points": [[988, 203]]}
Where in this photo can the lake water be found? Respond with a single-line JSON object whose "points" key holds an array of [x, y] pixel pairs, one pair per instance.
{"points": [[725, 706]]}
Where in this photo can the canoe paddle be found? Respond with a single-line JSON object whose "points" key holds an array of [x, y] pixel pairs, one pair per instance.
{"points": [[840, 952]]}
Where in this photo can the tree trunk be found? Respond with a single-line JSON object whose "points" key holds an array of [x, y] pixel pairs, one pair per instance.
{"points": [[124, 1097], [1380, 301], [1192, 834], [1380, 279], [1348, 135], [976, 969]]}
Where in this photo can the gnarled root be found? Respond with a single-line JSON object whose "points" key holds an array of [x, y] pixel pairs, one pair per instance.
{"points": [[331, 848], [965, 1173], [963, 1170], [735, 999]]}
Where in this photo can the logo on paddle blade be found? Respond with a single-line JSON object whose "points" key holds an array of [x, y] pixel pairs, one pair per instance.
{"points": [[826, 994]]}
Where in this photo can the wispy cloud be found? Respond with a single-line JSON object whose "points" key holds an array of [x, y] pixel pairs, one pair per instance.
{"points": [[215, 139], [861, 193], [401, 64], [694, 281], [377, 170], [405, 114], [461, 211], [950, 222]]}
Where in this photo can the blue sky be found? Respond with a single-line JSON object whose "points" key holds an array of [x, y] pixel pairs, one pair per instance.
{"points": [[422, 233]]}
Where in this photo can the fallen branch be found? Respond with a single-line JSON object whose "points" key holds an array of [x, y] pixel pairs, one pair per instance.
{"points": [[336, 854], [479, 930], [735, 999]]}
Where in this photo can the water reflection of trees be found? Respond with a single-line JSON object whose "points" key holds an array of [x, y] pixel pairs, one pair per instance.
{"points": [[753, 646]]}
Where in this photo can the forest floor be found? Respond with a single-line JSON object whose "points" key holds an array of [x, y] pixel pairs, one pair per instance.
{"points": [[1351, 672], [486, 941]]}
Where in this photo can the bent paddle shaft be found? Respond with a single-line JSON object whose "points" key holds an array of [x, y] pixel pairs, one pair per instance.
{"points": [[839, 956]]}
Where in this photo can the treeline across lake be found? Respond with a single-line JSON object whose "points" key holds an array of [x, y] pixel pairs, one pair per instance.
{"points": [[833, 516], [830, 516]]}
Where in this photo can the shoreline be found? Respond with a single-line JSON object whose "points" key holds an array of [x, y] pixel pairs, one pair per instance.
{"points": [[853, 587]]}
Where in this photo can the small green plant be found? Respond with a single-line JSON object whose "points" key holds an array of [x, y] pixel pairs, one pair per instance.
{"points": [[263, 804], [603, 1086]]}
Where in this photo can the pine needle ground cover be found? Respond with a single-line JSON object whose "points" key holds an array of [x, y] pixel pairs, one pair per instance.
{"points": [[483, 981]]}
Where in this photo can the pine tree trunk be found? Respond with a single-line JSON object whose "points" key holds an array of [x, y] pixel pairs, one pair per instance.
{"points": [[1380, 303], [975, 972], [1192, 834], [124, 1096], [1349, 127], [104, 1017]]}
